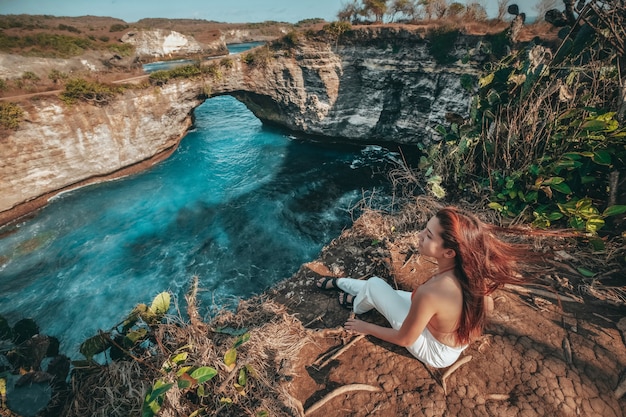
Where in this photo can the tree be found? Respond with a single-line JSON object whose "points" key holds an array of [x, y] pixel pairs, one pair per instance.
{"points": [[456, 9], [440, 7], [475, 11], [543, 6], [349, 12], [404, 7], [376, 7], [502, 9], [427, 6]]}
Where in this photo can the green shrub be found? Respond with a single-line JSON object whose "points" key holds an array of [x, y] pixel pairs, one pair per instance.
{"points": [[441, 43], [543, 138], [227, 63], [186, 71], [335, 30], [122, 49], [56, 75], [213, 70], [10, 115], [30, 76], [68, 28], [118, 27], [260, 57], [45, 44], [83, 90]]}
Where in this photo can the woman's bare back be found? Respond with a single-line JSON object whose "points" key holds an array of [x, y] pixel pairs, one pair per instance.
{"points": [[448, 296]]}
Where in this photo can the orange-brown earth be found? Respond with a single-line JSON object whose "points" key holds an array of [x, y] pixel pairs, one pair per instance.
{"points": [[552, 348]]}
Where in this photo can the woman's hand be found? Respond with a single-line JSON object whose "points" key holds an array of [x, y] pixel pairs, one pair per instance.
{"points": [[356, 325]]}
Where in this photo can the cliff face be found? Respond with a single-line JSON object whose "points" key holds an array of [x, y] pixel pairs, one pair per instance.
{"points": [[160, 42], [59, 146], [377, 85]]}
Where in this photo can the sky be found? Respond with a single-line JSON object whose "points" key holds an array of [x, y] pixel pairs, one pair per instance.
{"points": [[232, 11]]}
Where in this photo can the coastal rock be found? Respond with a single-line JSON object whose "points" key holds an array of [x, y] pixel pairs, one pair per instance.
{"points": [[58, 148], [376, 85], [160, 43]]}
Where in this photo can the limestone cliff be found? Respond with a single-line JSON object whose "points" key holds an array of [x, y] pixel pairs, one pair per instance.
{"points": [[161, 43], [377, 84], [58, 147]]}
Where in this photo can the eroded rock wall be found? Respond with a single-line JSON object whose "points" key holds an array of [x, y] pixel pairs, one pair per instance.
{"points": [[162, 43], [59, 146], [379, 84]]}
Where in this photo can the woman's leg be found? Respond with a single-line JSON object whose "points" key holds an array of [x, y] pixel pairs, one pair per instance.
{"points": [[376, 293]]}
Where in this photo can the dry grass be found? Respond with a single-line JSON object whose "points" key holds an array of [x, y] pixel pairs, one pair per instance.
{"points": [[276, 338]]}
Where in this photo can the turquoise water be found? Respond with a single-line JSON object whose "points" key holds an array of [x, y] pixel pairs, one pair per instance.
{"points": [[240, 205], [234, 48]]}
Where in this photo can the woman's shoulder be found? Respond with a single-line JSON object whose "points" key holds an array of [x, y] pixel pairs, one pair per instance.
{"points": [[444, 286]]}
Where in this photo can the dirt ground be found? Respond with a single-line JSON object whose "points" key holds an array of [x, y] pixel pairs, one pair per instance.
{"points": [[549, 349]]}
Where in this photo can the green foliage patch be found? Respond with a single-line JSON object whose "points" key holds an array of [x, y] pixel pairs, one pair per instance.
{"points": [[542, 139], [90, 91], [45, 44], [441, 44], [10, 115]]}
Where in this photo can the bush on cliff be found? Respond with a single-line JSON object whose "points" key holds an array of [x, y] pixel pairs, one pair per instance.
{"points": [[82, 90], [10, 115], [545, 137]]}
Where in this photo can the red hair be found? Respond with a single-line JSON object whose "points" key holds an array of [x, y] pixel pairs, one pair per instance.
{"points": [[483, 263]]}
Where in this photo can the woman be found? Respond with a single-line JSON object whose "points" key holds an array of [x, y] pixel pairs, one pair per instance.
{"points": [[438, 320]]}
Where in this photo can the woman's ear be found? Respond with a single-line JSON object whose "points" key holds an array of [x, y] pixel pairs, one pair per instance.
{"points": [[449, 253]]}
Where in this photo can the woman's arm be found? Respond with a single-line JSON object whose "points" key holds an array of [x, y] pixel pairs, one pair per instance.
{"points": [[421, 311]]}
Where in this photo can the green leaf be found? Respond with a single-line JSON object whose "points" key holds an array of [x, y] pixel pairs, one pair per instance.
{"points": [[136, 335], [203, 374], [572, 155], [263, 413], [594, 224], [614, 210], [587, 179], [241, 340], [597, 244], [185, 381], [562, 188], [251, 371], [585, 272], [230, 358], [183, 370], [553, 180], [242, 379], [150, 409], [159, 388], [555, 216], [486, 80], [601, 157], [161, 303], [593, 125], [577, 222], [226, 400], [94, 345], [495, 206], [180, 358]]}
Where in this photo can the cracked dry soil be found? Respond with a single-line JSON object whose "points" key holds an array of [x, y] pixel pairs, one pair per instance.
{"points": [[558, 356]]}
